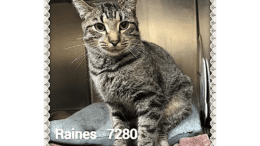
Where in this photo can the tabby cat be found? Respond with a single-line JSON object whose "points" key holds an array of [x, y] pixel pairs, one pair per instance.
{"points": [[138, 80]]}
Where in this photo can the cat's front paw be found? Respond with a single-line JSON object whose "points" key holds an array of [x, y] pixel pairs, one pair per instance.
{"points": [[146, 142], [163, 143], [120, 142]]}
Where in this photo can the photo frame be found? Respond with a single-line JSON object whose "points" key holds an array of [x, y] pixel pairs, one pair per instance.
{"points": [[209, 66]]}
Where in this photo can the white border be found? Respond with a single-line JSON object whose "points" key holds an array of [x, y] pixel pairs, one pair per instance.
{"points": [[46, 72], [213, 72]]}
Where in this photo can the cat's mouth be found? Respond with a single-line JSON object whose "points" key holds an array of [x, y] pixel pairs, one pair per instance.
{"points": [[114, 50]]}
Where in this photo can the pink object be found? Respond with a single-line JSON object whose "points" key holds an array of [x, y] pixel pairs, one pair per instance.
{"points": [[52, 144], [201, 140]]}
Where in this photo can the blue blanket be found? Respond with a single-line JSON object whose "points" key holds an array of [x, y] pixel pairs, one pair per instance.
{"points": [[95, 117]]}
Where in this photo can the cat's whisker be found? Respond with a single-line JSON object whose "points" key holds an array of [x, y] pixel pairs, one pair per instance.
{"points": [[80, 56], [77, 39], [75, 46], [104, 47], [87, 41], [99, 55], [124, 44], [131, 52], [79, 65], [136, 53]]}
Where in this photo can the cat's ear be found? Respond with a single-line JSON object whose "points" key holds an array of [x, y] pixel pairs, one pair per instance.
{"points": [[82, 7], [128, 4]]}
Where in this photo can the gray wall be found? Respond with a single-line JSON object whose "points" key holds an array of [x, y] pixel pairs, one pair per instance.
{"points": [[69, 90], [172, 25]]}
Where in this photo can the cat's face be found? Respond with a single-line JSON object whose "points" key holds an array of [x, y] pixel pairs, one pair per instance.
{"points": [[109, 26]]}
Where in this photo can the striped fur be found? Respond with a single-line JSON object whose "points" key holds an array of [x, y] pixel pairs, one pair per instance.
{"points": [[138, 80]]}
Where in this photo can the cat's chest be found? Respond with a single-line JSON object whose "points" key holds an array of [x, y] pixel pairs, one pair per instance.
{"points": [[114, 85], [121, 83]]}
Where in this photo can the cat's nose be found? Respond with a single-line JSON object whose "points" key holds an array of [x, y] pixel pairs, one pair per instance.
{"points": [[114, 42], [113, 38]]}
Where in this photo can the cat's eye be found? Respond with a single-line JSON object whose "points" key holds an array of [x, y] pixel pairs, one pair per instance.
{"points": [[124, 25], [100, 27]]}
